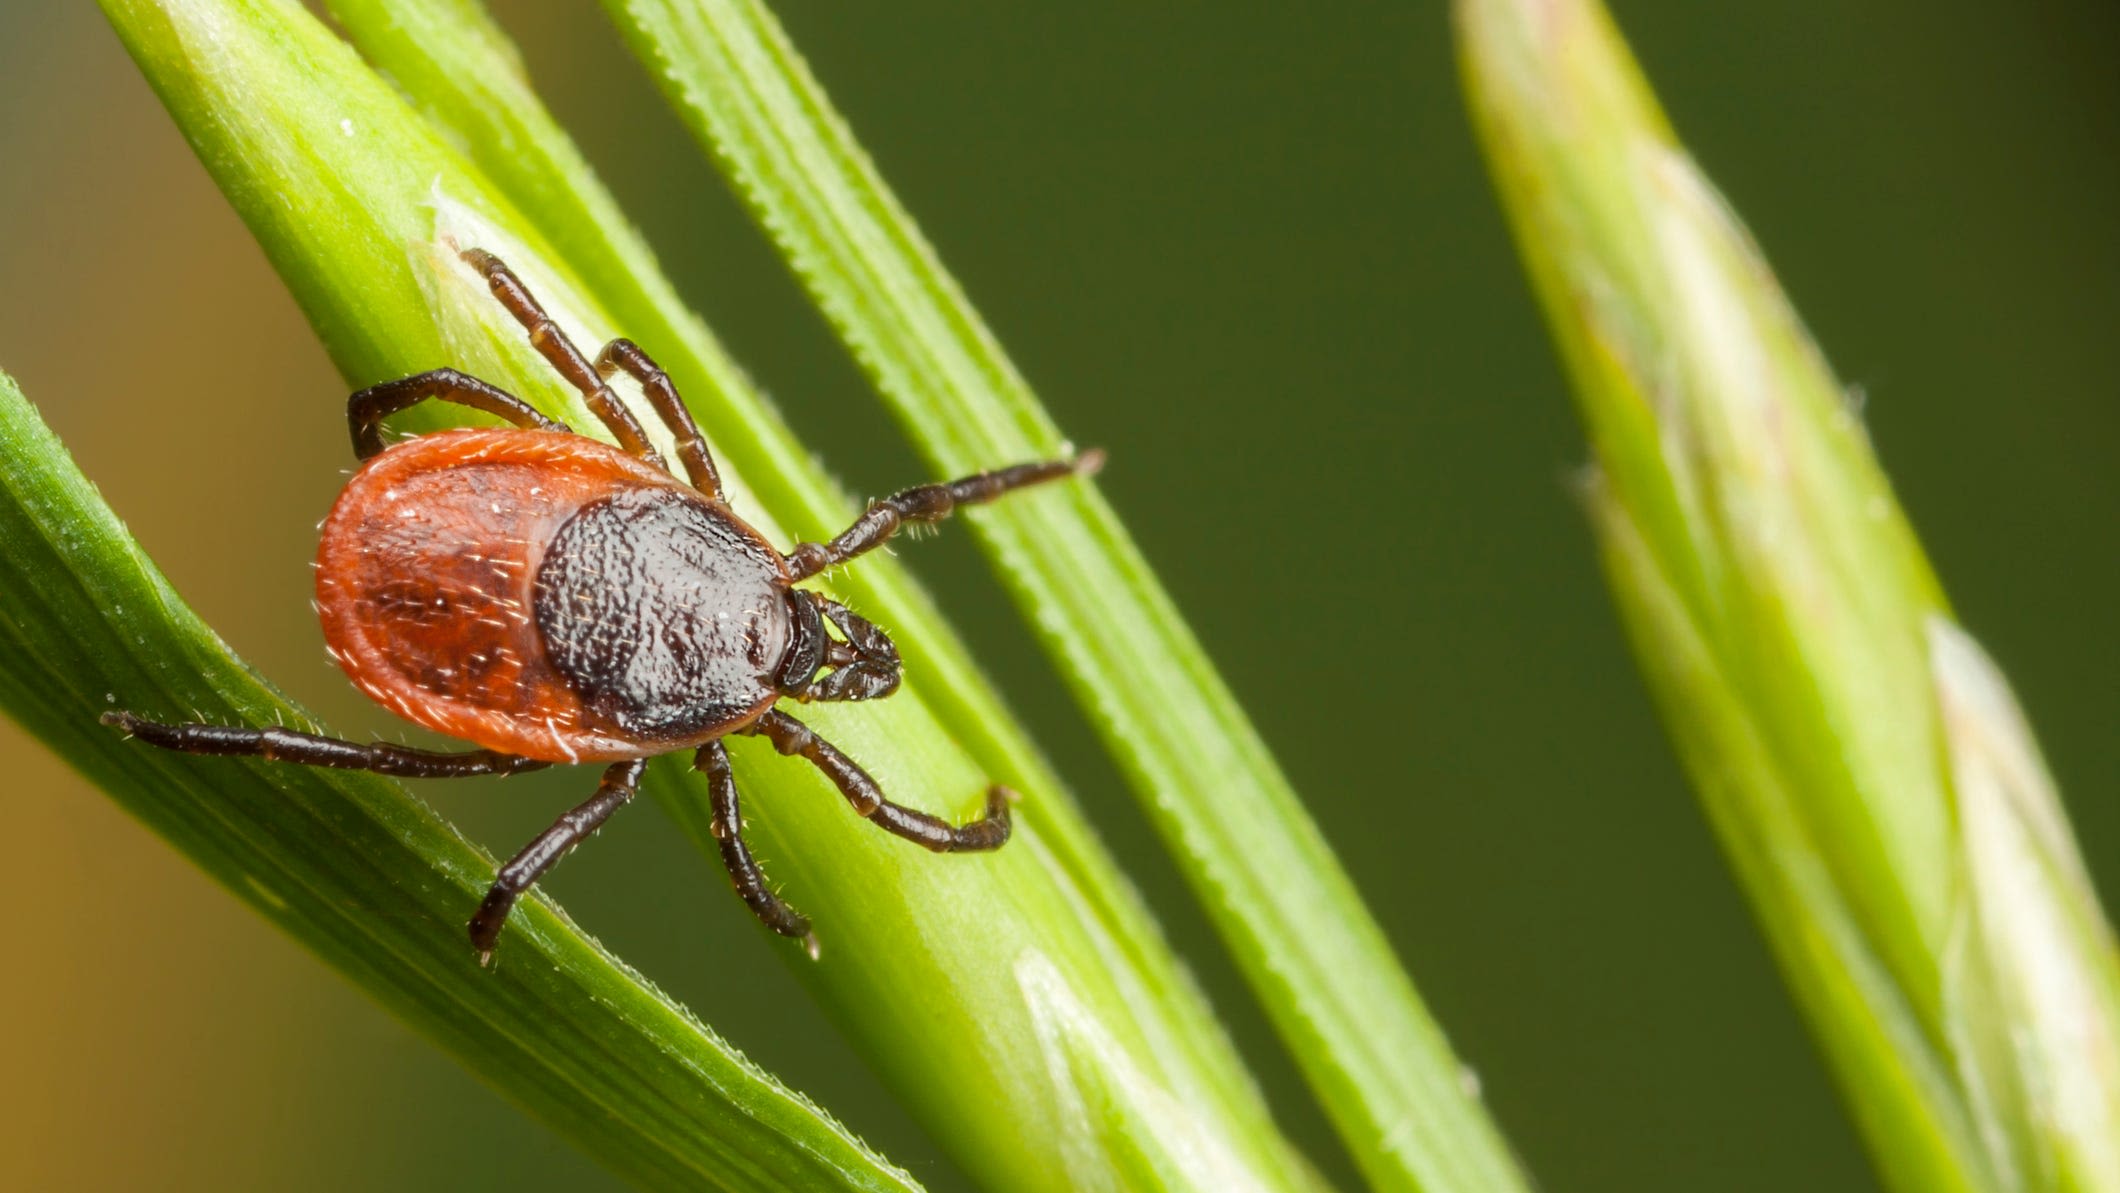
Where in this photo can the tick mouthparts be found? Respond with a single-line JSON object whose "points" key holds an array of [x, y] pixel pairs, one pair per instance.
{"points": [[1090, 463]]}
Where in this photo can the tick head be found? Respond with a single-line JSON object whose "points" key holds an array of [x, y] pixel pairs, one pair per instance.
{"points": [[861, 664], [807, 642]]}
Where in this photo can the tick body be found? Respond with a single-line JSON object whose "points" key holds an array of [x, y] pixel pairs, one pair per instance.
{"points": [[550, 599], [549, 596]]}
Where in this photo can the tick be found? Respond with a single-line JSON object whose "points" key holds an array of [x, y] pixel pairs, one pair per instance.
{"points": [[549, 599]]}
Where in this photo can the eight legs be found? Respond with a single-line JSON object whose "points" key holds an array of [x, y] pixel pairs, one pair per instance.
{"points": [[792, 737], [560, 352], [866, 664], [366, 410], [736, 855], [930, 503], [309, 749], [621, 780], [662, 394]]}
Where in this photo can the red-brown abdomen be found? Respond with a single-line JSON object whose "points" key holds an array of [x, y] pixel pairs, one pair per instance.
{"points": [[427, 586]]}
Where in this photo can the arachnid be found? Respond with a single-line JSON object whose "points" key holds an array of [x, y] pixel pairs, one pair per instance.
{"points": [[552, 599]]}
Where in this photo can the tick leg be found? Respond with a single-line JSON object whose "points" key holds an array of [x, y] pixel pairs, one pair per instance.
{"points": [[736, 855], [930, 503], [661, 393], [309, 749], [792, 737], [366, 410], [621, 780], [562, 355]]}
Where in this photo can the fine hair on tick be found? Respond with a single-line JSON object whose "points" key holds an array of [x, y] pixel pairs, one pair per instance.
{"points": [[551, 599]]}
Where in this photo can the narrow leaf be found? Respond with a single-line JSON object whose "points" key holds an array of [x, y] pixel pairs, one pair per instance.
{"points": [[1865, 765], [1308, 946]]}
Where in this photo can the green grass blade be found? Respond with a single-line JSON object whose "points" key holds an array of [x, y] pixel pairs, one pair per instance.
{"points": [[1024, 1012], [1320, 964], [365, 875], [1866, 767]]}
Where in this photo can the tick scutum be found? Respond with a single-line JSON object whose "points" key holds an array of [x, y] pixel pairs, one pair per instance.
{"points": [[666, 615]]}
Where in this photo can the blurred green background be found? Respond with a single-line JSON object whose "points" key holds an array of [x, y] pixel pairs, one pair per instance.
{"points": [[1249, 248]]}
